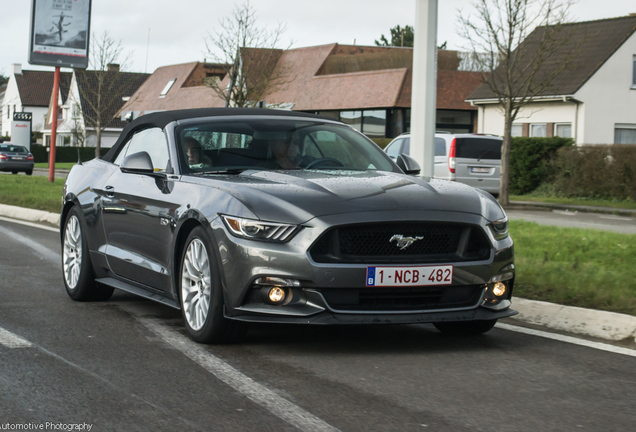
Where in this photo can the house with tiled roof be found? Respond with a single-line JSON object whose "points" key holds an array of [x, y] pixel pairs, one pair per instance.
{"points": [[29, 91], [592, 99], [366, 87], [80, 112]]}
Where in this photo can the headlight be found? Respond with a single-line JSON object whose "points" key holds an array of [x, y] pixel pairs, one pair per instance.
{"points": [[259, 230], [499, 228]]}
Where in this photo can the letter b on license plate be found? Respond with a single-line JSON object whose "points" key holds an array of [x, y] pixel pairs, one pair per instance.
{"points": [[409, 276]]}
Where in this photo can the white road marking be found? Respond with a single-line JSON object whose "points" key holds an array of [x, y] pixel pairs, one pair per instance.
{"points": [[245, 385], [40, 250], [620, 218], [565, 212], [569, 339], [11, 340], [31, 224]]}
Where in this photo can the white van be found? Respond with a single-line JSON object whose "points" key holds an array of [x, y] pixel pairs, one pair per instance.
{"points": [[473, 159]]}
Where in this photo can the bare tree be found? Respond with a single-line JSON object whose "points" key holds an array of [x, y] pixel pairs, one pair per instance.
{"points": [[511, 41], [77, 129], [250, 55], [103, 85]]}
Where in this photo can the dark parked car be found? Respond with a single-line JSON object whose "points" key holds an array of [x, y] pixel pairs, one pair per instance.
{"points": [[15, 158], [248, 215]]}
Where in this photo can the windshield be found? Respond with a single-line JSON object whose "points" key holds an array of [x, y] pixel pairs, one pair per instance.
{"points": [[12, 148], [275, 144]]}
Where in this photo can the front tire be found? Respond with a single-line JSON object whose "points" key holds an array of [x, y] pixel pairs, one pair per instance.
{"points": [[202, 295], [465, 328], [79, 278]]}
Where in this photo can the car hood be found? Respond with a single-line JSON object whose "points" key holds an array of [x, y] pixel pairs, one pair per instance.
{"points": [[298, 196]]}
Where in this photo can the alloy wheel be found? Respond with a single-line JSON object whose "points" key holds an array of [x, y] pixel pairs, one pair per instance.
{"points": [[196, 284], [72, 253]]}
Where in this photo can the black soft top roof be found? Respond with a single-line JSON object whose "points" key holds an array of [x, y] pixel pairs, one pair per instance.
{"points": [[162, 118]]}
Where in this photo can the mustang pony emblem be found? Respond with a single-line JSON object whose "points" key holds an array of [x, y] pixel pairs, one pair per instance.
{"points": [[403, 242]]}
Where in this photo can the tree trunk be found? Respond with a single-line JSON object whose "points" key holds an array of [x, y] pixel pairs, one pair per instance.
{"points": [[504, 199], [98, 139]]}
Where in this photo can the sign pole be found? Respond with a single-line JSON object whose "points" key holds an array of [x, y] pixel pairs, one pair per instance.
{"points": [[56, 90], [423, 96]]}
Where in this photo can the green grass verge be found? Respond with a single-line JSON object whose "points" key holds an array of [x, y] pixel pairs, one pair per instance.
{"points": [[58, 165], [31, 192], [578, 267], [575, 201]]}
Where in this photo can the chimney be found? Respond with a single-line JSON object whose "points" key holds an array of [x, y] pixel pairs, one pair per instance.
{"points": [[17, 68], [113, 67]]}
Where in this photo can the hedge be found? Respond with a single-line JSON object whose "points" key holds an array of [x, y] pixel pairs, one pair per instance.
{"points": [[65, 154], [599, 171], [530, 161]]}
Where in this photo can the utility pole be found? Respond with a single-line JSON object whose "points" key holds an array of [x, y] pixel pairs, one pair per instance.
{"points": [[424, 88], [56, 90]]}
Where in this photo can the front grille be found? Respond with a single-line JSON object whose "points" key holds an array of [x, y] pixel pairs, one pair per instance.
{"points": [[402, 299], [370, 243]]}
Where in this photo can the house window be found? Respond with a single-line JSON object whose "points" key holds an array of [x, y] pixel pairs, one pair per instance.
{"points": [[374, 123], [625, 134], [563, 130], [352, 118], [516, 131], [538, 130], [166, 89], [634, 72]]}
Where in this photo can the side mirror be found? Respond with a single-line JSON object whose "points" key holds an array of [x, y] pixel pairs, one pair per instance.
{"points": [[408, 164], [137, 163]]}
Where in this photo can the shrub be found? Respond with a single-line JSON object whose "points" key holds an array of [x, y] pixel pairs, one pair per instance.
{"points": [[382, 142], [65, 154], [530, 161], [601, 171]]}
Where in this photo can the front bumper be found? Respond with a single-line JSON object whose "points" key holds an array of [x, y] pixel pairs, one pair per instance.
{"points": [[244, 261]]}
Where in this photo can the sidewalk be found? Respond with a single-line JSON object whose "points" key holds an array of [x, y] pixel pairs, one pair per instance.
{"points": [[532, 205]]}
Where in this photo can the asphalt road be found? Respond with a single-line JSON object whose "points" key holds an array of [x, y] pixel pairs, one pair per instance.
{"points": [[575, 219], [126, 364]]}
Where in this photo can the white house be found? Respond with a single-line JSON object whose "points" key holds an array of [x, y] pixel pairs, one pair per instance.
{"points": [[78, 107], [592, 100], [28, 91]]}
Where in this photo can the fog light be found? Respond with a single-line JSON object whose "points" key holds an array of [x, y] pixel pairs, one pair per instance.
{"points": [[276, 295], [499, 289]]}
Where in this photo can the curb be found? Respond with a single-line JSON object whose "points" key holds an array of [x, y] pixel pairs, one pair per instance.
{"points": [[531, 205], [589, 322], [30, 215]]}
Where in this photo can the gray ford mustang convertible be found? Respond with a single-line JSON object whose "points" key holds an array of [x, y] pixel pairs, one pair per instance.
{"points": [[246, 215]]}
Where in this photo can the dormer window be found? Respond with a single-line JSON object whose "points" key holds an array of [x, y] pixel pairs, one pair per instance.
{"points": [[166, 89]]}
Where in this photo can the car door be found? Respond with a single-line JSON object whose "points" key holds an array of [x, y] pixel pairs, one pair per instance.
{"points": [[478, 162], [441, 170], [138, 213]]}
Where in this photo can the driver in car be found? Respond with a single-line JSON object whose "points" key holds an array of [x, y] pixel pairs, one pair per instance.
{"points": [[194, 153]]}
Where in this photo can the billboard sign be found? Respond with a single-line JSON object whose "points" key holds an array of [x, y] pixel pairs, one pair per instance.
{"points": [[60, 31], [21, 129]]}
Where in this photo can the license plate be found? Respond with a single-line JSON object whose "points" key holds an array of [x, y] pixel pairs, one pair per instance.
{"points": [[17, 158], [409, 276], [479, 170]]}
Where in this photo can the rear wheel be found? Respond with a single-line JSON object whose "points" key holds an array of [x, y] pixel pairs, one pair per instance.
{"points": [[465, 328], [29, 172], [79, 278], [201, 293], [14, 172]]}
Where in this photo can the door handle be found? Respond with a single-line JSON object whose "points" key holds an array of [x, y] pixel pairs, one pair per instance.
{"points": [[110, 191]]}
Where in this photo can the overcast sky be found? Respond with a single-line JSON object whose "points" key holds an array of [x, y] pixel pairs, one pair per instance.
{"points": [[178, 28]]}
